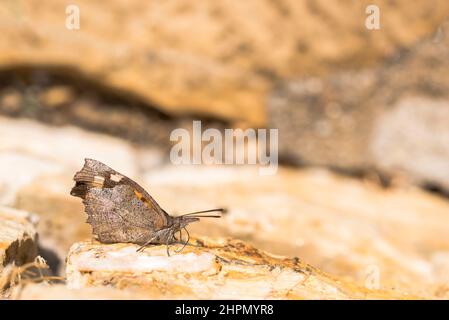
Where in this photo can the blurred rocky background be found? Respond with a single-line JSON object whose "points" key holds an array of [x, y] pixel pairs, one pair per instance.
{"points": [[359, 207]]}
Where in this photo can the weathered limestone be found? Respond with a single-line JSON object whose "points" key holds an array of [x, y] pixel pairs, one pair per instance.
{"points": [[214, 58], [393, 239], [18, 238], [215, 269], [37, 163], [67, 146], [348, 227], [384, 119], [46, 291]]}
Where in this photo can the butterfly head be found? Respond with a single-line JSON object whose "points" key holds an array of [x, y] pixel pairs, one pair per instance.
{"points": [[182, 221]]}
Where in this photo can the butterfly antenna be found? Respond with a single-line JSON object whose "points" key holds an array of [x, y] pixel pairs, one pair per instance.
{"points": [[198, 214]]}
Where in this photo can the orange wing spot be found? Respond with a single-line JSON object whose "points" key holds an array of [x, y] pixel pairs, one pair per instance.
{"points": [[145, 201], [138, 194]]}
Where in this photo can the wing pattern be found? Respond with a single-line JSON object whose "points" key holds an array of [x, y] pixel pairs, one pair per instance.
{"points": [[118, 209]]}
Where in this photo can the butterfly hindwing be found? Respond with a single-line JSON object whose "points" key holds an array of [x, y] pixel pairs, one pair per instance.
{"points": [[117, 215]]}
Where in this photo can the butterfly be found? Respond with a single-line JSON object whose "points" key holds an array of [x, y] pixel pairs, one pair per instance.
{"points": [[119, 210]]}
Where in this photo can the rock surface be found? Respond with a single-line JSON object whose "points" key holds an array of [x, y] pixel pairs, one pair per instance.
{"points": [[45, 291], [216, 269], [18, 238], [63, 147], [392, 118], [394, 239], [210, 58], [148, 67], [351, 228], [37, 175]]}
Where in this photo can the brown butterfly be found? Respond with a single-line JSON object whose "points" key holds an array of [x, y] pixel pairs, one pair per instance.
{"points": [[119, 210]]}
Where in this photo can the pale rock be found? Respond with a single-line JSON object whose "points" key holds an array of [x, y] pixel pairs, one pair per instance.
{"points": [[62, 217], [17, 169], [46, 291], [413, 138], [208, 269], [37, 165], [380, 120], [348, 227], [67, 146], [29, 151], [345, 226], [18, 238]]}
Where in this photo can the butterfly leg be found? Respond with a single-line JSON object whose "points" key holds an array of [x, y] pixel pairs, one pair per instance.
{"points": [[171, 239], [167, 244], [183, 243], [142, 247], [168, 250]]}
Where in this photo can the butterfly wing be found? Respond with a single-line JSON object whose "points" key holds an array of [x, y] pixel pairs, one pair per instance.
{"points": [[95, 174], [117, 215], [118, 209]]}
